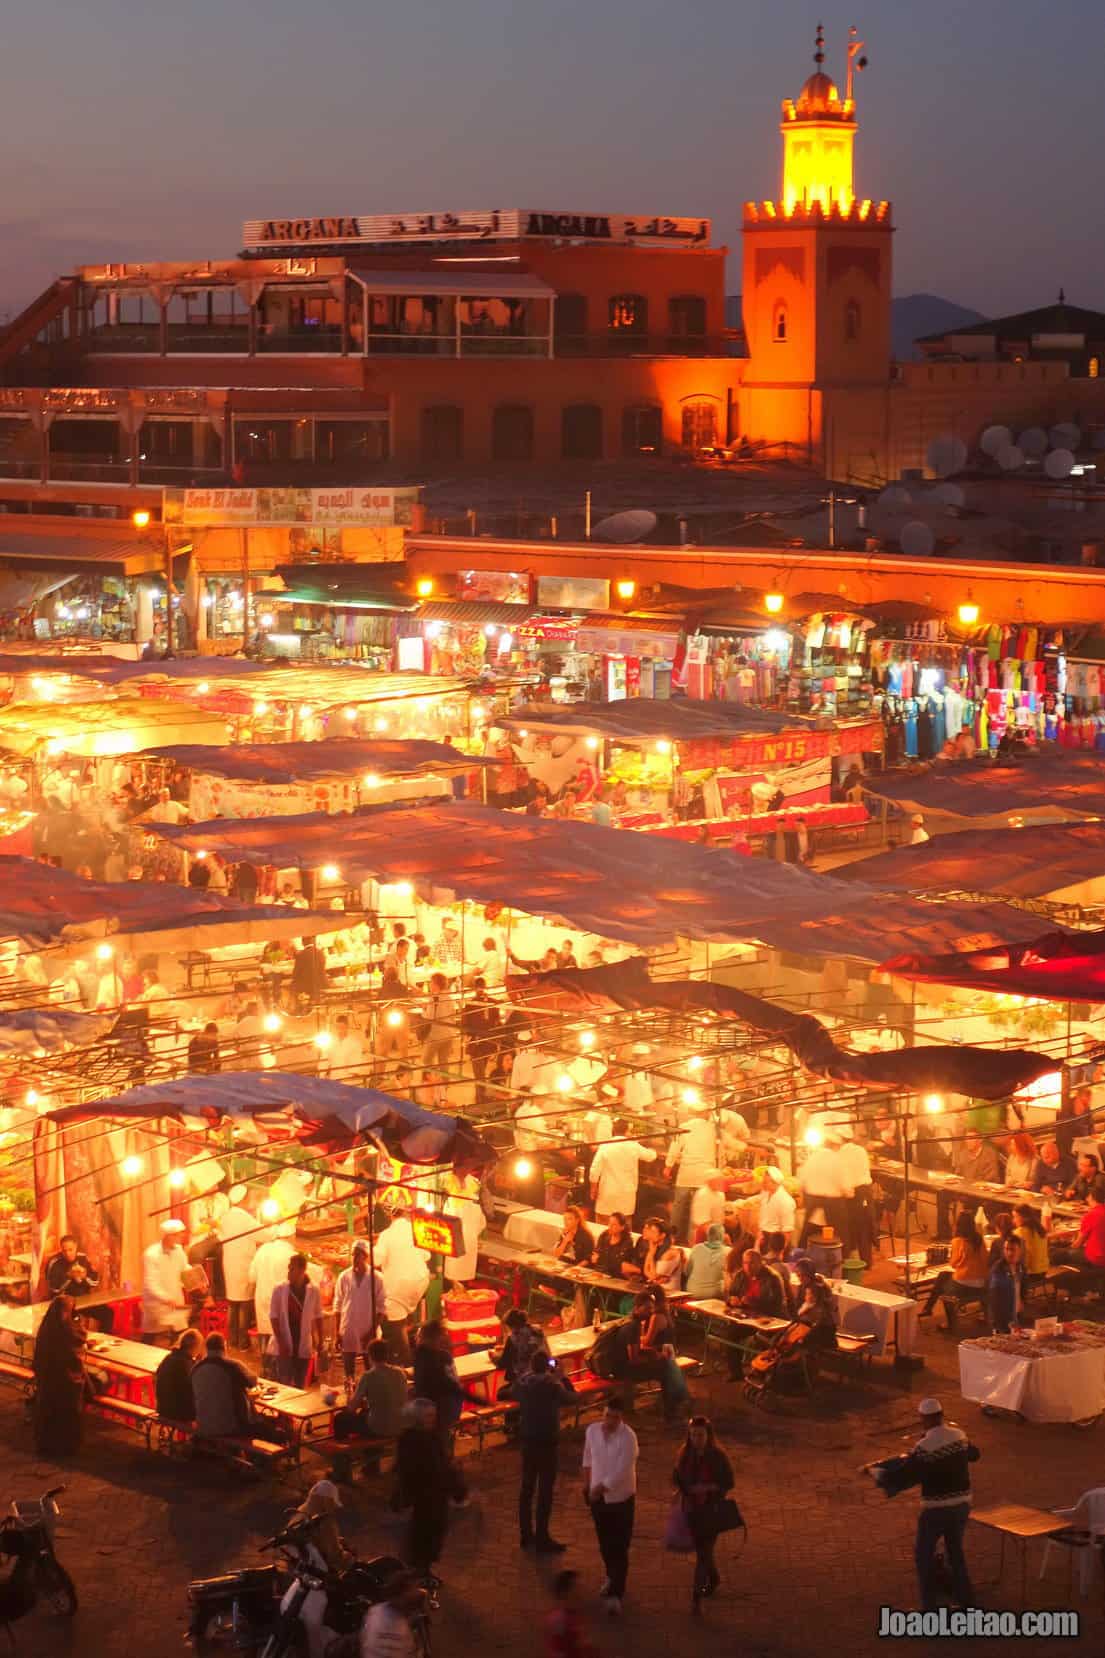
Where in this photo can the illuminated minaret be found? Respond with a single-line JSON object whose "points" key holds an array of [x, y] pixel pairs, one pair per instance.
{"points": [[817, 267]]}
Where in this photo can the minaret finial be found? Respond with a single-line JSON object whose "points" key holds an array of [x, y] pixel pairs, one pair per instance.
{"points": [[855, 61], [819, 54]]}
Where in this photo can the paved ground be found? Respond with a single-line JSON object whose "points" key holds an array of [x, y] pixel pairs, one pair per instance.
{"points": [[824, 1549]]}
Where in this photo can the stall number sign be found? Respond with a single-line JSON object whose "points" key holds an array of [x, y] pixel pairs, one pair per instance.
{"points": [[440, 1234]]}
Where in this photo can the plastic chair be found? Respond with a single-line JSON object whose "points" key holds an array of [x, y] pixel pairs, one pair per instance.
{"points": [[1087, 1528]]}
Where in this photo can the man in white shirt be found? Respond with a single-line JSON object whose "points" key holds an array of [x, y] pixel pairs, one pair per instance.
{"points": [[534, 1123], [693, 1154], [610, 1490], [826, 1187], [346, 1056], [708, 1203], [268, 1268], [165, 809], [441, 1017], [857, 1166], [777, 1207], [164, 1304], [237, 1233], [616, 1173], [358, 1308], [295, 1313], [406, 1274]]}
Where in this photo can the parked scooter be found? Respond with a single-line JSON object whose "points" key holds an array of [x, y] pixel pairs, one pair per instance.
{"points": [[37, 1575]]}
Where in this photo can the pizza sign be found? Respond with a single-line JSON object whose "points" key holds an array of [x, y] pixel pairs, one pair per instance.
{"points": [[440, 1234]]}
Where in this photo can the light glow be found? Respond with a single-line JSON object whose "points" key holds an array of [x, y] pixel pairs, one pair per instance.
{"points": [[812, 1137], [330, 872], [131, 1167], [933, 1103], [177, 1177], [523, 1167], [968, 613], [270, 1209], [773, 603]]}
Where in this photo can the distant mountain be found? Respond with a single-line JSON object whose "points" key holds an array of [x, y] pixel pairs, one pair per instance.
{"points": [[910, 317]]}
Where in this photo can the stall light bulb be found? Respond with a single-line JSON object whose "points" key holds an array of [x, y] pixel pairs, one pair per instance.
{"points": [[330, 872], [404, 889], [323, 1041], [523, 1167], [934, 1102], [266, 619], [587, 1039], [424, 587], [54, 746], [261, 707], [812, 1137], [306, 711], [31, 1097], [104, 952], [490, 629], [379, 723], [564, 1083], [394, 1018], [626, 589], [592, 742], [203, 687], [371, 781], [968, 613], [522, 735], [131, 1166], [270, 1209], [350, 714], [773, 603], [202, 853], [272, 1022], [140, 519], [695, 1062], [177, 1177], [478, 711], [691, 1096], [663, 746]]}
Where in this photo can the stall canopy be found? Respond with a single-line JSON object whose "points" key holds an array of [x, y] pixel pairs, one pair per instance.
{"points": [[113, 670], [106, 727], [340, 757], [985, 1073], [1052, 786], [1062, 967], [1011, 862], [641, 719], [43, 905], [641, 889], [324, 687], [39, 1030], [309, 1109]]}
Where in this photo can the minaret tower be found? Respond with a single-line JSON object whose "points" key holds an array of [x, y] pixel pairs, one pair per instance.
{"points": [[817, 267]]}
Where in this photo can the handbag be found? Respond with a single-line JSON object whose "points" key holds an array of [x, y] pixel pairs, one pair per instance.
{"points": [[727, 1516], [677, 1532]]}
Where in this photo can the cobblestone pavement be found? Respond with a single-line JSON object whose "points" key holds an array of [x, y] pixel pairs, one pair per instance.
{"points": [[825, 1549]]}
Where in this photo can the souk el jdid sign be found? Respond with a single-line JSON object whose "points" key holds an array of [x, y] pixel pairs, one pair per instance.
{"points": [[362, 508]]}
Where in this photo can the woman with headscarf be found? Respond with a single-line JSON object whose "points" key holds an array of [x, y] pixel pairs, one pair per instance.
{"points": [[703, 1477], [705, 1277], [59, 1380]]}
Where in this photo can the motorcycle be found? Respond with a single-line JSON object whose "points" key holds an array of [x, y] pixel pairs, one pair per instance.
{"points": [[259, 1610], [27, 1535]]}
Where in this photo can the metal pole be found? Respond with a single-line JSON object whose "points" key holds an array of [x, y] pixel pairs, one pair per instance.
{"points": [[587, 516], [832, 518], [244, 533], [905, 1194], [168, 590]]}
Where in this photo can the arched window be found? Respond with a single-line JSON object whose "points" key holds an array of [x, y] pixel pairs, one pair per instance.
{"points": [[643, 430], [512, 432], [570, 324], [851, 320], [581, 432], [779, 324], [442, 433], [686, 319], [700, 422], [1095, 367]]}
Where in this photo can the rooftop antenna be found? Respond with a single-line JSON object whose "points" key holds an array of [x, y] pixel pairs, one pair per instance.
{"points": [[856, 62]]}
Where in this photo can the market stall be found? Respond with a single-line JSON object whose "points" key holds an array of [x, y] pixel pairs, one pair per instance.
{"points": [[1044, 1377]]}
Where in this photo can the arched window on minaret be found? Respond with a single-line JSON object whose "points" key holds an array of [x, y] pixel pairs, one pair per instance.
{"points": [[851, 320], [779, 324]]}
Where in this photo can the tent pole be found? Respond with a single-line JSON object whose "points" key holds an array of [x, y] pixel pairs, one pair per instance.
{"points": [[905, 1191]]}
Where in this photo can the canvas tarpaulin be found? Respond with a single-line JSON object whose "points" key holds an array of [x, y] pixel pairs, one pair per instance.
{"points": [[638, 889], [38, 1030], [1055, 785], [1015, 863], [984, 1073], [312, 1110], [1062, 967], [337, 757]]}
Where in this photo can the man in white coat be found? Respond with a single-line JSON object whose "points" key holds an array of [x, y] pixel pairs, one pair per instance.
{"points": [[616, 1172], [358, 1308], [295, 1313], [237, 1233], [164, 1303], [405, 1270], [463, 1202], [268, 1268]]}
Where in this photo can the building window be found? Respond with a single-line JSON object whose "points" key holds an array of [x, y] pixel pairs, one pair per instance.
{"points": [[351, 443], [581, 432], [1095, 367], [700, 423], [442, 433], [628, 314], [779, 324], [570, 324], [643, 431], [687, 317], [851, 320], [512, 432]]}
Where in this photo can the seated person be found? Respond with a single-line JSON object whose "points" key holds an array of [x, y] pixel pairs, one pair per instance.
{"points": [[705, 1277], [221, 1388], [1089, 1251], [1029, 1229], [966, 1274], [1081, 1186], [773, 1253], [1055, 1171], [658, 1257], [1003, 1224], [652, 1348], [380, 1399], [814, 1304], [1022, 1164], [1005, 1288], [173, 1381], [755, 1289], [575, 1244], [523, 1341], [72, 1273], [614, 1252]]}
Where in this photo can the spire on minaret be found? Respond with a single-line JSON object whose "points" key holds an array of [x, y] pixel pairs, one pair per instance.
{"points": [[819, 53]]}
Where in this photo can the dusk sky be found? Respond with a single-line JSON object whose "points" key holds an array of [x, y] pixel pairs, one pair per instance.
{"points": [[152, 132]]}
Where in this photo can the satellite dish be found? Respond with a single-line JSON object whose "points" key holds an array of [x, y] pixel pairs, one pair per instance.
{"points": [[894, 498], [1033, 443], [994, 439], [1059, 464], [1010, 459], [949, 495], [624, 527], [917, 540], [946, 455], [1066, 435]]}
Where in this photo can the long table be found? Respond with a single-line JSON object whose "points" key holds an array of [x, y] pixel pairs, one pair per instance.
{"points": [[569, 1347], [1049, 1381], [979, 1191]]}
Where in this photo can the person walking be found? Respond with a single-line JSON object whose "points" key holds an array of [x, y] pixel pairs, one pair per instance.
{"points": [[703, 1477], [427, 1479], [295, 1313], [541, 1393], [610, 1492], [940, 1464], [358, 1308]]}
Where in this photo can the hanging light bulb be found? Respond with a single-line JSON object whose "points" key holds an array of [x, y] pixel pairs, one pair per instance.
{"points": [[177, 1177], [203, 687], [131, 1166], [330, 872], [523, 1167], [272, 1022], [934, 1103], [592, 743], [968, 612], [31, 1097], [691, 1096], [323, 1041], [812, 1137], [663, 746], [350, 713], [261, 707], [586, 1039], [394, 1018], [695, 1062], [371, 781], [104, 952], [564, 1083], [773, 603], [270, 1209], [379, 723], [424, 587]]}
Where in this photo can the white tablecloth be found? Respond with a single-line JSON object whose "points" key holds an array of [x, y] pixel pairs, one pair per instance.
{"points": [[891, 1319], [1058, 1387], [540, 1228]]}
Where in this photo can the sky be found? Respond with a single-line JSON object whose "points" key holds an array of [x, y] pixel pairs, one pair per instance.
{"points": [[152, 132]]}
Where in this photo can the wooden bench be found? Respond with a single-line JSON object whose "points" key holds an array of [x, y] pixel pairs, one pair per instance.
{"points": [[246, 1451], [141, 1418], [343, 1453], [12, 1371]]}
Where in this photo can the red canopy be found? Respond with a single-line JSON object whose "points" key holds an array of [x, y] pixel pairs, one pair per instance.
{"points": [[1061, 967]]}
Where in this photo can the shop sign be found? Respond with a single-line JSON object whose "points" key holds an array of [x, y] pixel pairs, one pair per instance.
{"points": [[496, 586], [573, 593], [364, 508], [562, 628], [440, 1234], [789, 748], [493, 225]]}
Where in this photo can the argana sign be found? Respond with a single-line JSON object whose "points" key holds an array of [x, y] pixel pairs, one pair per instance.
{"points": [[514, 224]]}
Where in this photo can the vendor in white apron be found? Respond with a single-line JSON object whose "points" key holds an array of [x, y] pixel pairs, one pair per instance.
{"points": [[164, 1303], [268, 1268], [464, 1202], [358, 1308], [238, 1234]]}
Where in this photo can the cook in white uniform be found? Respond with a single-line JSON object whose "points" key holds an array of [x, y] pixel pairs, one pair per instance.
{"points": [[405, 1270], [464, 1202], [164, 1305], [615, 1173], [358, 1307], [268, 1268], [238, 1234]]}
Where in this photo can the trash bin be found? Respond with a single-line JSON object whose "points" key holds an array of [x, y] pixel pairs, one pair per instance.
{"points": [[853, 1270]]}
